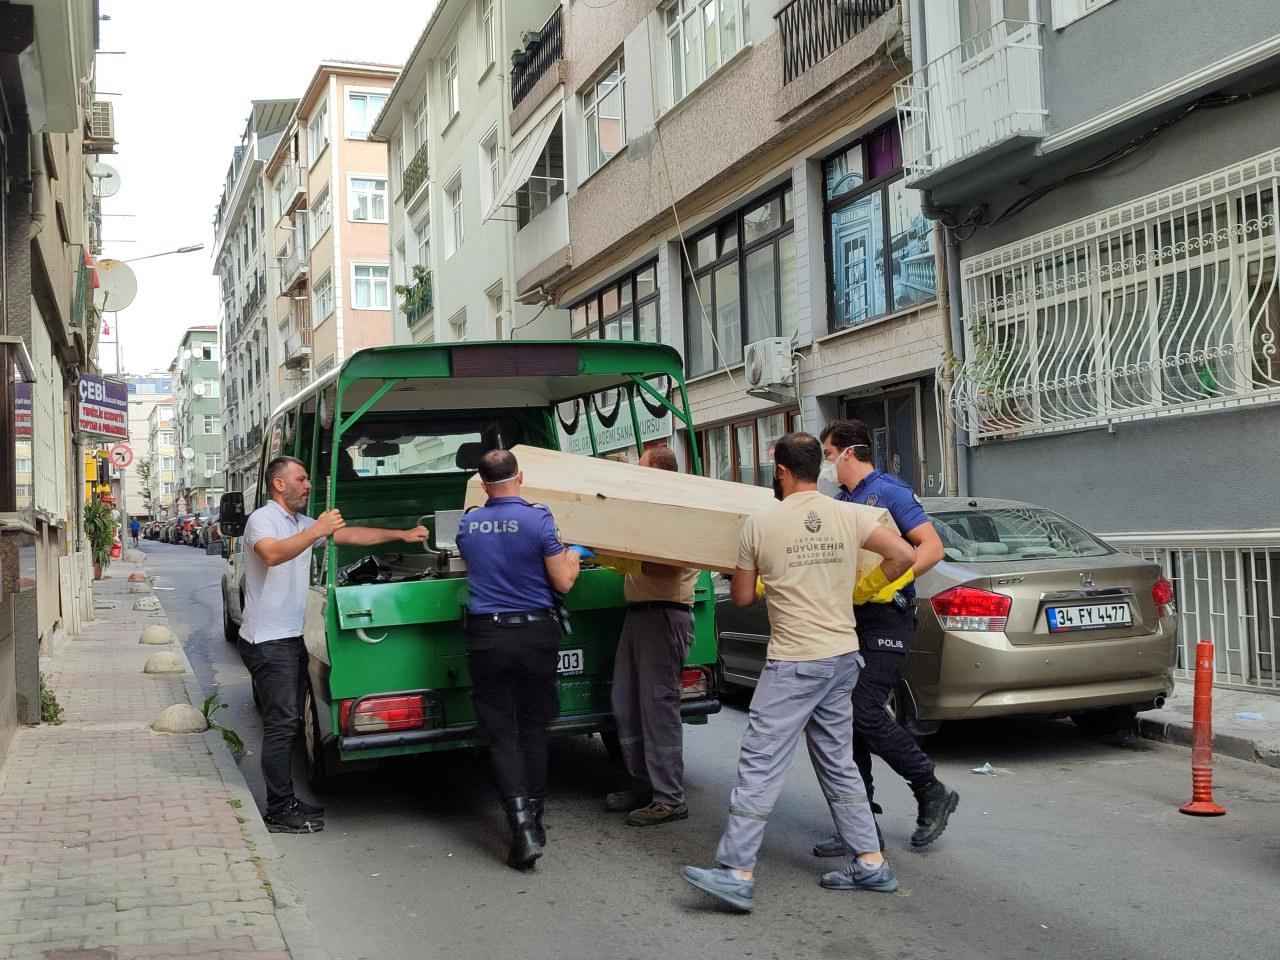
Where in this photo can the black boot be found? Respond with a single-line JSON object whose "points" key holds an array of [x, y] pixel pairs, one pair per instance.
{"points": [[525, 849], [539, 832], [936, 804]]}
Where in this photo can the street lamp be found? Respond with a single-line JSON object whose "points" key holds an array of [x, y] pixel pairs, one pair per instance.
{"points": [[190, 248]]}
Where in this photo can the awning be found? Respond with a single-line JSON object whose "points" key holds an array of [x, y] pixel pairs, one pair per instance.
{"points": [[523, 160]]}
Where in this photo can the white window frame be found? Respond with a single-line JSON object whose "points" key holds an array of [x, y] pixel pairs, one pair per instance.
{"points": [[590, 100], [321, 214], [454, 206], [212, 427], [419, 124], [217, 462], [488, 34], [490, 167], [422, 233], [449, 82], [352, 196], [364, 93], [693, 12], [322, 297], [318, 131], [458, 325], [1066, 12], [374, 282]]}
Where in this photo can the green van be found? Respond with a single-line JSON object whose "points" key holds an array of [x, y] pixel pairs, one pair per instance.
{"points": [[391, 439]]}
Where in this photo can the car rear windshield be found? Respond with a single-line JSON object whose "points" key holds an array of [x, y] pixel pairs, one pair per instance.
{"points": [[1013, 533]]}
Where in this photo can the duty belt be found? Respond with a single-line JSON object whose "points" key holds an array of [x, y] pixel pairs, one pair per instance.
{"points": [[660, 605], [514, 618]]}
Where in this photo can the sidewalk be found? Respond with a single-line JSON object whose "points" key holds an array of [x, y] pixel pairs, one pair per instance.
{"points": [[1234, 735], [117, 842]]}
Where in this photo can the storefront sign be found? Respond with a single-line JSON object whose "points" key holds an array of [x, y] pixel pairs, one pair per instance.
{"points": [[22, 407], [103, 410], [611, 422]]}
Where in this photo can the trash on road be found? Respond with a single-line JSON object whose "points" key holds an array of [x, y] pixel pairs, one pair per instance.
{"points": [[1248, 715], [986, 770]]}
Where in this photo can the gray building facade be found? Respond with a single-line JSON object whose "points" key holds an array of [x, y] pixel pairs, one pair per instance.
{"points": [[197, 418], [1108, 171]]}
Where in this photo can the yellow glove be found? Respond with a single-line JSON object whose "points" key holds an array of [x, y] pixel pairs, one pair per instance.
{"points": [[876, 588], [623, 565], [759, 589]]}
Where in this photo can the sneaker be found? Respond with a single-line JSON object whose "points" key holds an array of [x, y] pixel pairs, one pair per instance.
{"points": [[622, 801], [292, 819], [833, 846], [936, 804], [722, 884], [859, 876], [310, 809], [656, 813]]}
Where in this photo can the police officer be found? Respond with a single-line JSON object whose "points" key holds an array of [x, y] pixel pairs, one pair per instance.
{"points": [[515, 561], [885, 627]]}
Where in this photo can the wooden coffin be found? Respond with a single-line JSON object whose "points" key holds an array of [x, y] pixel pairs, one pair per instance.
{"points": [[645, 514]]}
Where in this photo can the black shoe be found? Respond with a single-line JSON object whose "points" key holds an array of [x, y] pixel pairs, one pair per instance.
{"points": [[525, 849], [310, 809], [936, 804], [292, 819], [539, 831]]}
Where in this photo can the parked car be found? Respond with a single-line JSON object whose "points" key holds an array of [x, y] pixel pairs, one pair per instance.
{"points": [[167, 531], [208, 532], [1027, 613]]}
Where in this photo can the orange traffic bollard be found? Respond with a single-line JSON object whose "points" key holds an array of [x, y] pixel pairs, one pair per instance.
{"points": [[1201, 803]]}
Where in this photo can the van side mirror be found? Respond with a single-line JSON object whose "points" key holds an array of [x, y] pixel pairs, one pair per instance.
{"points": [[231, 514]]}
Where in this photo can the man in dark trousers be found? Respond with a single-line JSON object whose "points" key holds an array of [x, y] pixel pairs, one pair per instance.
{"points": [[278, 539], [515, 565], [885, 628], [656, 636]]}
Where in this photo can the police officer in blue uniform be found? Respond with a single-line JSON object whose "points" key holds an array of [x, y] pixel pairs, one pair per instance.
{"points": [[515, 566], [885, 626]]}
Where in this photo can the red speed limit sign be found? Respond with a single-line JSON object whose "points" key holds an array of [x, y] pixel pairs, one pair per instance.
{"points": [[121, 456]]}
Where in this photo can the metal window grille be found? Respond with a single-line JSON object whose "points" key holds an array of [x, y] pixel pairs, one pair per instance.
{"points": [[1169, 304]]}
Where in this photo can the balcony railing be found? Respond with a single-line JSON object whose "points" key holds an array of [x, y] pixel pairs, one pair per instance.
{"points": [[812, 30], [291, 186], [982, 93], [418, 299], [415, 174], [293, 264], [1165, 305], [529, 65]]}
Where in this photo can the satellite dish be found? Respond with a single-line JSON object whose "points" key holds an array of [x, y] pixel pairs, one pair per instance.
{"points": [[117, 286], [199, 389], [106, 179], [188, 453], [186, 353]]}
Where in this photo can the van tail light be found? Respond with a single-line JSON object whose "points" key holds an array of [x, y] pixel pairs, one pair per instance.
{"points": [[969, 609], [381, 714], [1162, 594], [693, 684]]}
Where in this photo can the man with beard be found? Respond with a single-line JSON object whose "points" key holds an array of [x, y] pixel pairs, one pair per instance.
{"points": [[278, 538]]}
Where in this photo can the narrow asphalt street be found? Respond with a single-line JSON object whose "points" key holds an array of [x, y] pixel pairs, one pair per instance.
{"points": [[1074, 848]]}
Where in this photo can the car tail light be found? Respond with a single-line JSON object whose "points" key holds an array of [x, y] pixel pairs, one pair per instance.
{"points": [[380, 714], [1162, 594], [971, 609], [693, 683]]}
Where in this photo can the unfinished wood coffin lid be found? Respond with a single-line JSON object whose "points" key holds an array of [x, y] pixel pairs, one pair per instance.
{"points": [[645, 514]]}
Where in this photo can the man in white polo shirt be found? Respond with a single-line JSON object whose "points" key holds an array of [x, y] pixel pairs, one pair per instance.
{"points": [[278, 538]]}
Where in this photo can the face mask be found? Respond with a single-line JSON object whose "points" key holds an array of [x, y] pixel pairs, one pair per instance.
{"points": [[777, 487], [828, 472]]}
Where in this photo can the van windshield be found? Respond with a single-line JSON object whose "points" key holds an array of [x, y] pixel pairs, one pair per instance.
{"points": [[386, 448], [1013, 533]]}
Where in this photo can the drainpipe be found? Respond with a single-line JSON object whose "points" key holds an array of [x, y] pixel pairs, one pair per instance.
{"points": [[956, 330], [39, 178]]}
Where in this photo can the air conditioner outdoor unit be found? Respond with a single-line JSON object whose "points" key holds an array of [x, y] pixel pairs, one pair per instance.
{"points": [[768, 370], [101, 133]]}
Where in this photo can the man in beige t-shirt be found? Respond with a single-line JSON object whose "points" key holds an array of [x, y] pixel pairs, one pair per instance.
{"points": [[655, 640], [805, 552]]}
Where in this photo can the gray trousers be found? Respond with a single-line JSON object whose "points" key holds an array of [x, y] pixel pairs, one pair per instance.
{"points": [[813, 697], [646, 698]]}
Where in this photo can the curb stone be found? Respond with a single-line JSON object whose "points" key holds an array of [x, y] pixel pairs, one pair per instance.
{"points": [[1224, 744], [291, 912]]}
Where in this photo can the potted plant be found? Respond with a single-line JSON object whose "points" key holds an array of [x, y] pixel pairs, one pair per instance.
{"points": [[100, 528], [417, 295]]}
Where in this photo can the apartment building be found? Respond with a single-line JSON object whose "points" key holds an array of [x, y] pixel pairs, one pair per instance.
{"points": [[328, 209], [244, 262], [453, 220], [1109, 172], [159, 484], [197, 419], [145, 394], [52, 130], [730, 183]]}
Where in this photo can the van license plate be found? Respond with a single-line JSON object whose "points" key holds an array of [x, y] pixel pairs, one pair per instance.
{"points": [[570, 662], [1096, 616]]}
